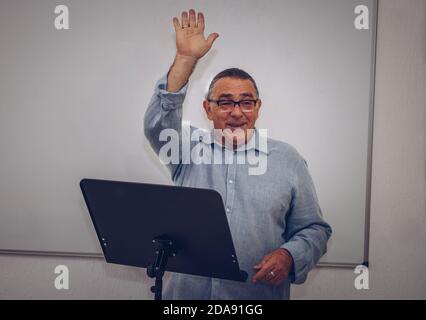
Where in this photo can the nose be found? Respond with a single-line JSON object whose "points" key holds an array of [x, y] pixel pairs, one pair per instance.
{"points": [[236, 112]]}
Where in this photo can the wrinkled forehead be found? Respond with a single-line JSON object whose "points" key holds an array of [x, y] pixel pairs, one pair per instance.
{"points": [[233, 88]]}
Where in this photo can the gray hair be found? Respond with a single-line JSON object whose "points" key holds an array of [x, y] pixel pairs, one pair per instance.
{"points": [[231, 73]]}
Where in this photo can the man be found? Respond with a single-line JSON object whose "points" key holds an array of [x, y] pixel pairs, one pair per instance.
{"points": [[274, 217]]}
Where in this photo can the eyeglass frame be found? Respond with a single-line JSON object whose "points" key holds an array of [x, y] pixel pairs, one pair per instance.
{"points": [[235, 104]]}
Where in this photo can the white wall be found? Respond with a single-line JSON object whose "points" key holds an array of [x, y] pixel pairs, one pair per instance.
{"points": [[398, 200], [398, 193]]}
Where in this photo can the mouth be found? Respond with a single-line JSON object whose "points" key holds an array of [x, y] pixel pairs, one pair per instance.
{"points": [[235, 126]]}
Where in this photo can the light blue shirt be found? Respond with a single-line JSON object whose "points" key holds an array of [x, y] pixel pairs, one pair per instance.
{"points": [[277, 209]]}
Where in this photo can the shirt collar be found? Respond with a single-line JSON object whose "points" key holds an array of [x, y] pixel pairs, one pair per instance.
{"points": [[253, 143]]}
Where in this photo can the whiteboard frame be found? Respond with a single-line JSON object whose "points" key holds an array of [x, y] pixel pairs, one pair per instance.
{"points": [[366, 260]]}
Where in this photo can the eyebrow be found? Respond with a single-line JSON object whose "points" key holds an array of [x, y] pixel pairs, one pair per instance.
{"points": [[229, 96]]}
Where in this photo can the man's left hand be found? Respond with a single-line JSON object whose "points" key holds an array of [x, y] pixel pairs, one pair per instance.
{"points": [[274, 268]]}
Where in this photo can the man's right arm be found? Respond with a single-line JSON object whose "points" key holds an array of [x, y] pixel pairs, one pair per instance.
{"points": [[165, 108], [179, 72]]}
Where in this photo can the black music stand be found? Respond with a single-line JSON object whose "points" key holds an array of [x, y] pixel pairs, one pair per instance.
{"points": [[162, 228]]}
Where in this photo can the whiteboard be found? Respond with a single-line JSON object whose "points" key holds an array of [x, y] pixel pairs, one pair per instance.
{"points": [[72, 105]]}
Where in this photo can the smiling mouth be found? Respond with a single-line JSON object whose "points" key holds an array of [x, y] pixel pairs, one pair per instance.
{"points": [[235, 126]]}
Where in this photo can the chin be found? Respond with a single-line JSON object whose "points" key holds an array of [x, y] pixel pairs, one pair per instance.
{"points": [[235, 135]]}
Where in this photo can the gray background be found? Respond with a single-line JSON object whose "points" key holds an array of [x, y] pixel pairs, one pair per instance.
{"points": [[398, 189], [72, 104]]}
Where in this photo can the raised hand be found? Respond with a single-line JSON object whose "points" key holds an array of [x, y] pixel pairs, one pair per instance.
{"points": [[190, 47], [190, 40]]}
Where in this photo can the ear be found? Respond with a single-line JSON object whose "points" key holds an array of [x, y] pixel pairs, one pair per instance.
{"points": [[259, 104], [208, 109]]}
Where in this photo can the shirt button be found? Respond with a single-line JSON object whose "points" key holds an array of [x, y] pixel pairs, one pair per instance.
{"points": [[230, 181], [228, 210]]}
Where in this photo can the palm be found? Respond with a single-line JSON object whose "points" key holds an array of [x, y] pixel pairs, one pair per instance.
{"points": [[190, 39], [190, 42]]}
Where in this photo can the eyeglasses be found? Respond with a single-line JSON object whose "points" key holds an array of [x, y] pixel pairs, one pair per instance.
{"points": [[246, 105]]}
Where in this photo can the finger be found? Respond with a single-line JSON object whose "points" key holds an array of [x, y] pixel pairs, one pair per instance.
{"points": [[278, 280], [272, 279], [264, 260], [176, 23], [258, 276], [261, 275], [184, 19], [211, 38], [192, 22], [267, 278], [201, 22], [259, 265], [280, 275]]}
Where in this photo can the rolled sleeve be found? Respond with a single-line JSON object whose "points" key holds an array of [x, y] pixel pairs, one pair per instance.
{"points": [[170, 100], [164, 112]]}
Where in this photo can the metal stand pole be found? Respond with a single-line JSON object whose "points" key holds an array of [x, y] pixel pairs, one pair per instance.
{"points": [[164, 249]]}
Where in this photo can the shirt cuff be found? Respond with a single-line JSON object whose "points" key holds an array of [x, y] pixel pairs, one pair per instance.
{"points": [[170, 100], [299, 271]]}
